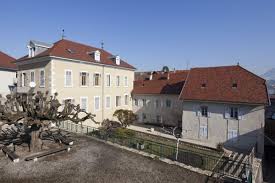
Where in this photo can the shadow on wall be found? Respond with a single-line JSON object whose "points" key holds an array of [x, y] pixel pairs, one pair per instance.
{"points": [[246, 142], [161, 116]]}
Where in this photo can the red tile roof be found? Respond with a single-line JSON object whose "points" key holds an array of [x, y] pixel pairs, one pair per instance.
{"points": [[160, 84], [218, 85], [79, 52], [6, 62]]}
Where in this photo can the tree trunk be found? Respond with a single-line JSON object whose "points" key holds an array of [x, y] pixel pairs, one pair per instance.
{"points": [[36, 142]]}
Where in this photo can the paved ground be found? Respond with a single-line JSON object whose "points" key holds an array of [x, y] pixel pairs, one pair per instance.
{"points": [[92, 161]]}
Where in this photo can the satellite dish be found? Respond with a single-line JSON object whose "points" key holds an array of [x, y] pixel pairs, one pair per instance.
{"points": [[32, 84]]}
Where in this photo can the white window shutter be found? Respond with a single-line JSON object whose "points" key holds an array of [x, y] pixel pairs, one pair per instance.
{"points": [[198, 111], [240, 114], [226, 113], [208, 114]]}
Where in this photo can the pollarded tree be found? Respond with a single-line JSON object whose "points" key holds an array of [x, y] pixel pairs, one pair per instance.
{"points": [[31, 116], [125, 117]]}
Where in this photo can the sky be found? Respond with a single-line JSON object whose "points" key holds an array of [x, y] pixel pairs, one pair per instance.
{"points": [[150, 33]]}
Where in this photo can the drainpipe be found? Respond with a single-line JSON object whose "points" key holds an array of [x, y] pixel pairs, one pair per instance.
{"points": [[102, 94]]}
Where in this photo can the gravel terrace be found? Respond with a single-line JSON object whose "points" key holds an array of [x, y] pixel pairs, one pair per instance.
{"points": [[93, 161]]}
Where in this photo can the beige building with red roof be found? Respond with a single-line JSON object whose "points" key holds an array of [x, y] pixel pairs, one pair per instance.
{"points": [[225, 105], [7, 74], [92, 77], [156, 97]]}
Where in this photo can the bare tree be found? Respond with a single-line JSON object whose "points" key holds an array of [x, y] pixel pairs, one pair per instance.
{"points": [[31, 116]]}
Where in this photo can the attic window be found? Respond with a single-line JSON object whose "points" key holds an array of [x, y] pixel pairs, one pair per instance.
{"points": [[203, 85], [234, 85], [69, 50], [97, 56]]}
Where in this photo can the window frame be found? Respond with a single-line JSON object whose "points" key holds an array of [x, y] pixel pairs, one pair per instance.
{"points": [[110, 80], [44, 78], [234, 113], [117, 101], [87, 102], [117, 80], [170, 104], [127, 99], [87, 79], [203, 131], [95, 109], [65, 78], [99, 79], [32, 71], [233, 138], [108, 96], [126, 82], [204, 111]]}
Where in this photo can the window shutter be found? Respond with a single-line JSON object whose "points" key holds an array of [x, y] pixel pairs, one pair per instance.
{"points": [[227, 113], [80, 79], [208, 113], [240, 114], [88, 79], [198, 111]]}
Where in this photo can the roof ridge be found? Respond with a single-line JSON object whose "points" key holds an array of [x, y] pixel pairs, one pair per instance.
{"points": [[212, 67]]}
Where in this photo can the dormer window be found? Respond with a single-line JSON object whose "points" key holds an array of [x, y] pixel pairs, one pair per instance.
{"points": [[117, 59], [203, 85], [69, 50], [97, 56], [234, 85]]}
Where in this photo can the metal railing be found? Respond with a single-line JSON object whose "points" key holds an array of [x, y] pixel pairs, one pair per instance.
{"points": [[198, 159]]}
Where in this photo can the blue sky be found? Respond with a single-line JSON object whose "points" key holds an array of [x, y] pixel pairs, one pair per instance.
{"points": [[150, 33]]}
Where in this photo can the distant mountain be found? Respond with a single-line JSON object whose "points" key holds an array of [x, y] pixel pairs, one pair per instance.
{"points": [[269, 75], [271, 86]]}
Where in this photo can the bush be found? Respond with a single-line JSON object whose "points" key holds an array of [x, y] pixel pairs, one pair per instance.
{"points": [[220, 147]]}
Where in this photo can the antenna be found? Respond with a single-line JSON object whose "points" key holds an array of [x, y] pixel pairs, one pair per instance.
{"points": [[63, 34], [102, 45]]}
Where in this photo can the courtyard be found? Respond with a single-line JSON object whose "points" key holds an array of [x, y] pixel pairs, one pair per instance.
{"points": [[93, 161]]}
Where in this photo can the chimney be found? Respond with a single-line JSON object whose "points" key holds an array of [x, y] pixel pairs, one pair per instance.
{"points": [[168, 75], [151, 75]]}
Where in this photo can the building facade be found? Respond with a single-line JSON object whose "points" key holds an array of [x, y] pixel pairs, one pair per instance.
{"points": [[225, 105], [155, 97], [97, 80], [7, 73]]}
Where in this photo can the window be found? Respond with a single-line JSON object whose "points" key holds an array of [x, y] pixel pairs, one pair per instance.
{"points": [[42, 78], [136, 102], [203, 131], [143, 116], [97, 103], [232, 135], [203, 85], [168, 103], [108, 80], [84, 103], [234, 113], [117, 80], [68, 78], [204, 111], [159, 119], [234, 85], [126, 99], [32, 76], [118, 101], [108, 102], [84, 79], [20, 79], [157, 103], [24, 79], [96, 79], [125, 81], [143, 102]]}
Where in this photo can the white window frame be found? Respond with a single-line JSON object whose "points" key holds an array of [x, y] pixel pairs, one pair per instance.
{"points": [[116, 101], [65, 78], [157, 104], [203, 131], [44, 78], [108, 96], [234, 110], [32, 71], [136, 102], [127, 98], [87, 79], [108, 74], [98, 103], [24, 79], [117, 81], [126, 82], [167, 103], [87, 103], [203, 111], [99, 79]]}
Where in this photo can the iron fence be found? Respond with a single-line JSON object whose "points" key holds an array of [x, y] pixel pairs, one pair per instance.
{"points": [[198, 159]]}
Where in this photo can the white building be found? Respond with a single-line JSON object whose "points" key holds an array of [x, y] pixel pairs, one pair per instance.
{"points": [[7, 74]]}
